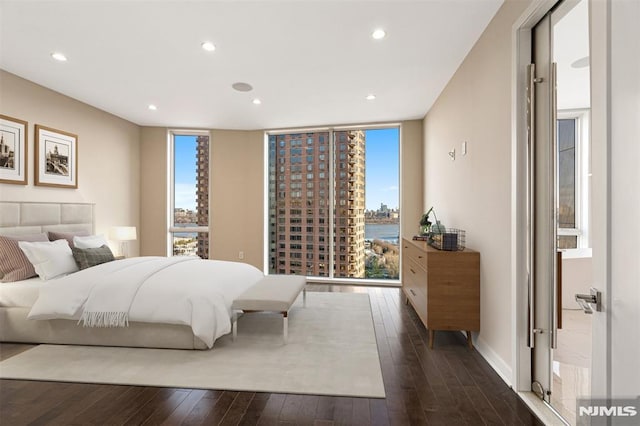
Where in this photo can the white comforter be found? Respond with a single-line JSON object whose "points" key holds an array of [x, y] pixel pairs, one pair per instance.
{"points": [[177, 290]]}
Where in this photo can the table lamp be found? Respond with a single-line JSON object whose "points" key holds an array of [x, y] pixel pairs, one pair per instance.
{"points": [[123, 234]]}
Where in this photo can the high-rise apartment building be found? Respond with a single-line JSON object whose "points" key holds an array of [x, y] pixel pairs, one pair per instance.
{"points": [[350, 204], [202, 194], [301, 166]]}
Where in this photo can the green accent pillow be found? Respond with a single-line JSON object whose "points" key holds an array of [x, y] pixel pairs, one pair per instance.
{"points": [[86, 258]]}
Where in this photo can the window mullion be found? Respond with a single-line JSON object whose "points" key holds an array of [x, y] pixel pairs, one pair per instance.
{"points": [[578, 178], [331, 207]]}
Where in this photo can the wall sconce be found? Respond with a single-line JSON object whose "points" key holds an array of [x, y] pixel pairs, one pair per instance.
{"points": [[452, 154], [123, 234]]}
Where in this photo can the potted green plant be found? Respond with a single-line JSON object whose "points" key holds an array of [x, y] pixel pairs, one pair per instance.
{"points": [[429, 228], [425, 223]]}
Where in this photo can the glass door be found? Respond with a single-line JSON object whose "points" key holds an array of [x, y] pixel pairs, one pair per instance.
{"points": [[560, 194], [571, 357]]}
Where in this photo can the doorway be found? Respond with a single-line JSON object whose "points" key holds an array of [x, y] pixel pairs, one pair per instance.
{"points": [[560, 257]]}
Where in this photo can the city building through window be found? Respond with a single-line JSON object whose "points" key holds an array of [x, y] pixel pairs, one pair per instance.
{"points": [[338, 192], [189, 194]]}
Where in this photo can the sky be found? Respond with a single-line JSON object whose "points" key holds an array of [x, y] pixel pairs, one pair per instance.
{"points": [[382, 149], [184, 158], [382, 169]]}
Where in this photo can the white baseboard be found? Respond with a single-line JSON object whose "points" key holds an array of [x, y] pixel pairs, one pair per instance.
{"points": [[494, 360], [539, 408]]}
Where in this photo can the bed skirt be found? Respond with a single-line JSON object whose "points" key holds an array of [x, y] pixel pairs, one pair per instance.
{"points": [[16, 327]]}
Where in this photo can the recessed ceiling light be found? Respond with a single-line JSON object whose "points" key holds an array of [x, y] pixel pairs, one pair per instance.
{"points": [[581, 63], [59, 57], [152, 107], [242, 87], [371, 97], [257, 101], [208, 46], [379, 34]]}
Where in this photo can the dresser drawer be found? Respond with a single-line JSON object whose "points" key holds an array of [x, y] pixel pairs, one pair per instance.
{"points": [[414, 253], [418, 300], [415, 274], [414, 284]]}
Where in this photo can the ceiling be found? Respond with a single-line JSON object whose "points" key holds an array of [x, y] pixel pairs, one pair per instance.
{"points": [[311, 63], [570, 46]]}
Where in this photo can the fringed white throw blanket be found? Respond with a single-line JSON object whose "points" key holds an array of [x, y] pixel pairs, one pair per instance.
{"points": [[110, 299], [105, 319], [178, 290]]}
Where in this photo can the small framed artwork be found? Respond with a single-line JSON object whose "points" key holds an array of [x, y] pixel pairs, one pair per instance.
{"points": [[13, 150], [56, 158]]}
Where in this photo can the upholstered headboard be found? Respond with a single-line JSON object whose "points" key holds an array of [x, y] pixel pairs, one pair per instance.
{"points": [[36, 217]]}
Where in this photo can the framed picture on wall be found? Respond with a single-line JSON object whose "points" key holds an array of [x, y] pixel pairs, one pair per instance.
{"points": [[13, 150], [56, 154]]}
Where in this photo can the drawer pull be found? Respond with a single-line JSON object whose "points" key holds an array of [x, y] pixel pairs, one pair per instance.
{"points": [[419, 257], [412, 292], [412, 271]]}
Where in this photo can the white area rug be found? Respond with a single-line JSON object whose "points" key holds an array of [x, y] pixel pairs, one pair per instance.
{"points": [[331, 351]]}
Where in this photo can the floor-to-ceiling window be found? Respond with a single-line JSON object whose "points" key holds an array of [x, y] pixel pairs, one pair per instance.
{"points": [[334, 203], [189, 194], [573, 179]]}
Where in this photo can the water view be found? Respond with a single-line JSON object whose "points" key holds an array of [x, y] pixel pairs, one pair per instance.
{"points": [[388, 232]]}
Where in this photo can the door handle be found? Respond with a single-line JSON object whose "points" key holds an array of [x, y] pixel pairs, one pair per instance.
{"points": [[586, 300], [531, 95], [556, 202]]}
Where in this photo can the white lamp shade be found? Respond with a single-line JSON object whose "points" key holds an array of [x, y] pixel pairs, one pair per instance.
{"points": [[123, 233]]}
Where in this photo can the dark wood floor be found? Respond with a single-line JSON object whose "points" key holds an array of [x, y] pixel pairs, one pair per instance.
{"points": [[448, 385]]}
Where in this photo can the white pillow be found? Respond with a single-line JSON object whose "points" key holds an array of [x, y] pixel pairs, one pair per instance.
{"points": [[92, 241], [50, 259]]}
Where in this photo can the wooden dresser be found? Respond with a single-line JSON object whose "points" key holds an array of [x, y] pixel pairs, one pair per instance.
{"points": [[443, 287]]}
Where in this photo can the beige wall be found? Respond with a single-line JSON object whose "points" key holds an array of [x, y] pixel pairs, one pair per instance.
{"points": [[153, 191], [411, 177], [108, 153], [473, 192], [237, 197]]}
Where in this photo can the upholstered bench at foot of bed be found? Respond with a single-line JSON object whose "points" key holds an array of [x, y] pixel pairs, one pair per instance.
{"points": [[273, 293]]}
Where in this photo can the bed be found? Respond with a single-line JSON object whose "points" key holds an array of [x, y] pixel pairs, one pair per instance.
{"points": [[20, 299]]}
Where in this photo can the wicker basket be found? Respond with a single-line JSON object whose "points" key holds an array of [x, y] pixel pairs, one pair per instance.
{"points": [[451, 239]]}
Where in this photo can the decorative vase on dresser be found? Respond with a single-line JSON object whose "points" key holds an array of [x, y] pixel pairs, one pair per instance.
{"points": [[443, 287]]}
